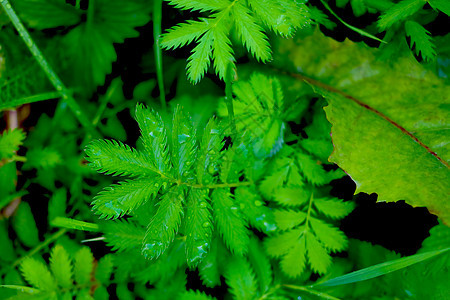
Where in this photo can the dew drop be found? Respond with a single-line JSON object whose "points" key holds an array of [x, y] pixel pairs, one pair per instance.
{"points": [[242, 206], [203, 204], [258, 203], [206, 224]]}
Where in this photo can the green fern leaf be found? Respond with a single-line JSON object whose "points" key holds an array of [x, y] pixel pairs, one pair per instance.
{"points": [[223, 54], [208, 269], [104, 269], [61, 266], [334, 208], [183, 33], [294, 261], [154, 137], [317, 254], [307, 238], [194, 295], [241, 280], [164, 225], [292, 196], [199, 61], [311, 169], [198, 226], [37, 274], [115, 158], [120, 199], [255, 212], [329, 236], [421, 38], [213, 33], [123, 235], [200, 5], [210, 146], [251, 34], [229, 223], [10, 142], [83, 265], [399, 12], [260, 264], [288, 219], [184, 143]]}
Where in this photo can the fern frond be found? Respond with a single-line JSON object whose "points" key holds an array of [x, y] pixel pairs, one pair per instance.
{"points": [[115, 158], [184, 33], [288, 219], [37, 274], [313, 172], [184, 143], [120, 199], [251, 34], [334, 208], [199, 60], [223, 54], [83, 265], [292, 196], [61, 266], [229, 223], [260, 263], [209, 269], [198, 226], [153, 136], [164, 225], [399, 12], [253, 209], [123, 235], [421, 38], [240, 278], [317, 254], [200, 5], [210, 146], [294, 261], [194, 295], [283, 17], [10, 142], [104, 269], [306, 238]]}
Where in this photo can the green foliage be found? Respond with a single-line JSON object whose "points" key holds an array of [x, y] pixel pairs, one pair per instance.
{"points": [[173, 172], [226, 17], [366, 126], [237, 190], [10, 142], [422, 40]]}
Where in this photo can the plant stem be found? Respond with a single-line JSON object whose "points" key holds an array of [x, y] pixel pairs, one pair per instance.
{"points": [[355, 29], [229, 102], [310, 291], [51, 75], [157, 17]]}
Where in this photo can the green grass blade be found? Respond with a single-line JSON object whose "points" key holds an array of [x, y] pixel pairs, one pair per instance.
{"points": [[74, 224], [380, 269]]}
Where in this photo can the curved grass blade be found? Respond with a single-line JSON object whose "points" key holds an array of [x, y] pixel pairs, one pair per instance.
{"points": [[380, 269]]}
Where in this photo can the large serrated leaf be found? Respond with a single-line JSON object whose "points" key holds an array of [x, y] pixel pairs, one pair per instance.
{"points": [[390, 121]]}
